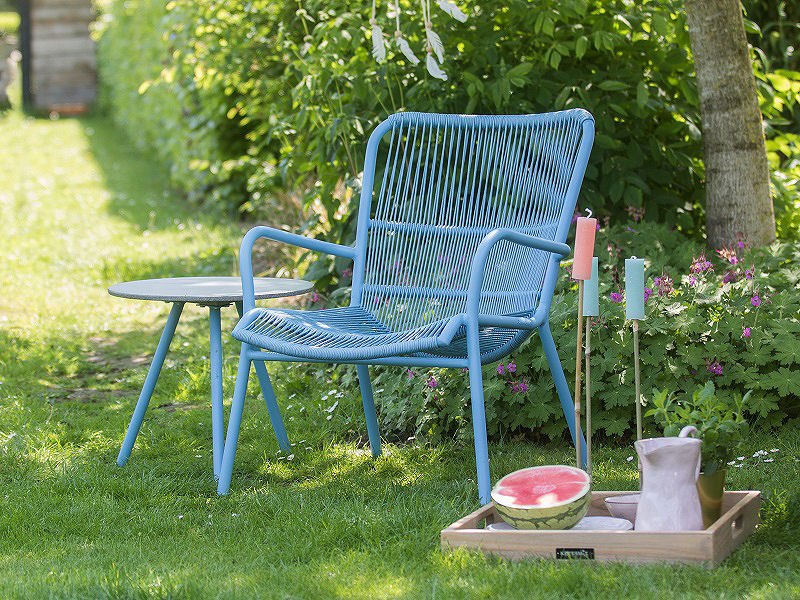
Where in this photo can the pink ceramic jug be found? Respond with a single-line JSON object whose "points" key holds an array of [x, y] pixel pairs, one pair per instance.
{"points": [[669, 500]]}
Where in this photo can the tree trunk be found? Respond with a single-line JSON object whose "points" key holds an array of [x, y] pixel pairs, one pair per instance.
{"points": [[738, 201]]}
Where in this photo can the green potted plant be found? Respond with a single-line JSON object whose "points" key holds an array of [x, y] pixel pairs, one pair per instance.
{"points": [[721, 427]]}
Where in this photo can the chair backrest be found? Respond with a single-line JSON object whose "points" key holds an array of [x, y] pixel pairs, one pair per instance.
{"points": [[447, 181]]}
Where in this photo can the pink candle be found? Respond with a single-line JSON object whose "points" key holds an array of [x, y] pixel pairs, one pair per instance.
{"points": [[584, 248]]}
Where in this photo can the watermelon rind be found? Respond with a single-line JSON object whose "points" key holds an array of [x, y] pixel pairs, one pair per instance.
{"points": [[560, 516]]}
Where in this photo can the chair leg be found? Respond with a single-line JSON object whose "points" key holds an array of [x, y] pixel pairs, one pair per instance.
{"points": [[272, 405], [149, 383], [369, 410], [234, 422], [217, 410], [561, 387], [478, 415]]}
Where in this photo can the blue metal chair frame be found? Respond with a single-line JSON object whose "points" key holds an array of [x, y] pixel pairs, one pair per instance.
{"points": [[489, 197]]}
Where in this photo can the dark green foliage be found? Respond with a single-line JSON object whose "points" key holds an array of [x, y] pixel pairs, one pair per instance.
{"points": [[720, 425], [696, 331], [245, 99]]}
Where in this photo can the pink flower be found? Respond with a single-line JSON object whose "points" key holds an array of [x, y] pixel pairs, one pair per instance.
{"points": [[616, 297], [755, 301], [315, 297], [501, 369], [432, 383], [729, 254], [512, 367], [411, 373], [745, 332]]}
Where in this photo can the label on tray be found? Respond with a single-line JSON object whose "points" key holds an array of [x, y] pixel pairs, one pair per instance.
{"points": [[575, 553]]}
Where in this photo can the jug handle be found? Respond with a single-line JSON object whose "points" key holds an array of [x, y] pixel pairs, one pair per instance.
{"points": [[686, 432]]}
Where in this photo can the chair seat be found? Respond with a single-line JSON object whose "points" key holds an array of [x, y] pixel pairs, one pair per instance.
{"points": [[353, 333]]}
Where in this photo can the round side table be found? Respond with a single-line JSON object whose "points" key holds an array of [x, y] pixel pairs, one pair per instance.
{"points": [[213, 292]]}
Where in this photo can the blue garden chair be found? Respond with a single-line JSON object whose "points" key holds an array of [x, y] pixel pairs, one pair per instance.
{"points": [[454, 265]]}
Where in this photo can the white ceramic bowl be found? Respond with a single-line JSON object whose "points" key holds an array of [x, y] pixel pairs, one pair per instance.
{"points": [[623, 507]]}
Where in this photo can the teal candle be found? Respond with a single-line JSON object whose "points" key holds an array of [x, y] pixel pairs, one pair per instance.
{"points": [[634, 288], [591, 306]]}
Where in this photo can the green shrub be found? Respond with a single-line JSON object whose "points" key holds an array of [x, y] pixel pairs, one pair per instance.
{"points": [[244, 99], [738, 325]]}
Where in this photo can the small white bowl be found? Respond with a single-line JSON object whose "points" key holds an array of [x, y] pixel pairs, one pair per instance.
{"points": [[623, 507]]}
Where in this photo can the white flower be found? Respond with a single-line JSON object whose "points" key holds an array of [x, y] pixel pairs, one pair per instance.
{"points": [[740, 458], [629, 459], [774, 450], [290, 457], [769, 460], [180, 516]]}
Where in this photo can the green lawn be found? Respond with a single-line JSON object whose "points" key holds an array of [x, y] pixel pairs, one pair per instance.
{"points": [[81, 210]]}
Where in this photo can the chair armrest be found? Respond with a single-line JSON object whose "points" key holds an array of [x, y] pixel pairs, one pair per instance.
{"points": [[246, 254], [478, 265]]}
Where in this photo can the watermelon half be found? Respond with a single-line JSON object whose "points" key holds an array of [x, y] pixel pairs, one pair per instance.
{"points": [[549, 497]]}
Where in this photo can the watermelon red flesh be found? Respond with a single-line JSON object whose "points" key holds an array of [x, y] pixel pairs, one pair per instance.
{"points": [[541, 486]]}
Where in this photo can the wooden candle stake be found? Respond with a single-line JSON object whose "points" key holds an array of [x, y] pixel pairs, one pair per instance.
{"points": [[636, 378], [578, 377], [588, 399]]}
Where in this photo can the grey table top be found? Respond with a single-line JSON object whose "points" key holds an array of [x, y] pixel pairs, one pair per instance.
{"points": [[207, 290]]}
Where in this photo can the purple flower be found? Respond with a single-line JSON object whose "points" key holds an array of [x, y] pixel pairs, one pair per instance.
{"points": [[740, 243], [501, 369], [663, 284], [616, 297], [411, 373], [597, 227], [745, 332], [700, 264], [715, 368], [647, 293], [347, 272], [749, 273], [730, 276], [432, 383], [512, 367], [314, 297], [693, 281], [522, 387], [755, 301]]}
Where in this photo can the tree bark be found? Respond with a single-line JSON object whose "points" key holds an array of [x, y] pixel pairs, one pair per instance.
{"points": [[738, 202]]}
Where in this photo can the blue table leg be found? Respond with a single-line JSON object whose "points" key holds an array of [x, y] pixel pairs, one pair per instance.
{"points": [[217, 414], [269, 399], [149, 383]]}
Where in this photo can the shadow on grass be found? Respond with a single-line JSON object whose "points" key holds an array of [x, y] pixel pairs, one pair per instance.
{"points": [[140, 187]]}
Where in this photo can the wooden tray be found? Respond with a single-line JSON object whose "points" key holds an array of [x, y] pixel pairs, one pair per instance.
{"points": [[709, 547]]}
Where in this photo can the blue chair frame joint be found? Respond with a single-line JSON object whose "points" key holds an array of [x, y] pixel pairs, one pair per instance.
{"points": [[455, 261]]}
